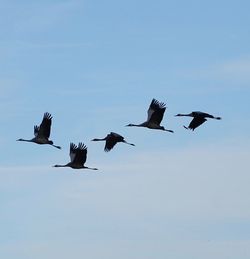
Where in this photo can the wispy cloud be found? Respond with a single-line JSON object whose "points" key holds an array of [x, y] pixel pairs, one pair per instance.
{"points": [[235, 73], [185, 198], [40, 16], [239, 67], [237, 70], [8, 86], [198, 183]]}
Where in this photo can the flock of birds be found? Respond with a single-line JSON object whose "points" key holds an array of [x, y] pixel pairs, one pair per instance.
{"points": [[78, 154]]}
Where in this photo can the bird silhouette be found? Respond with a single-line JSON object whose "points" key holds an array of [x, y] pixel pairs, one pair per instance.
{"points": [[155, 115], [198, 119], [42, 132], [111, 140], [78, 157]]}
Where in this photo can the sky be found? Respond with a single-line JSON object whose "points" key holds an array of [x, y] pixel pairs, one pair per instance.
{"points": [[96, 66]]}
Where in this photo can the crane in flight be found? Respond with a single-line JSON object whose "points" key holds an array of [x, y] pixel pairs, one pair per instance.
{"points": [[78, 157], [155, 115], [111, 140], [42, 132], [198, 119]]}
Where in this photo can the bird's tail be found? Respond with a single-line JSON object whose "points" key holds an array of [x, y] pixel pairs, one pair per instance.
{"points": [[58, 147], [91, 168], [129, 143]]}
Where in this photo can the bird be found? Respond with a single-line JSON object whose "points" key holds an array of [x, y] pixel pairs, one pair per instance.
{"points": [[155, 115], [42, 132], [198, 119], [78, 157], [111, 140]]}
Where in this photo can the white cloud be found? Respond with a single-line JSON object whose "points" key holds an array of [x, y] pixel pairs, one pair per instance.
{"points": [[165, 202], [201, 183], [206, 183], [8, 87], [238, 70], [240, 67], [235, 73], [39, 16]]}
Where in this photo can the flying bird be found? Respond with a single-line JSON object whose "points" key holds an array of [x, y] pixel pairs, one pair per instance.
{"points": [[111, 140], [42, 132], [155, 115], [198, 119], [78, 157]]}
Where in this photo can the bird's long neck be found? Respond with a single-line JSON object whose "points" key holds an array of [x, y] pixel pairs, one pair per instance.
{"points": [[26, 140], [136, 125], [67, 165], [98, 139], [187, 114]]}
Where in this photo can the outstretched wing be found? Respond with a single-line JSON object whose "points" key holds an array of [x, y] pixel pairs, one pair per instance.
{"points": [[156, 111], [111, 140], [80, 154], [72, 152], [44, 129], [36, 130], [196, 122]]}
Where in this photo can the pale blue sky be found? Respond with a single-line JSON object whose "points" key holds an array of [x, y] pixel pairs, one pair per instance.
{"points": [[95, 66]]}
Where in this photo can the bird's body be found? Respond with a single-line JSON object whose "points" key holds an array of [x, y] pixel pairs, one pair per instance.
{"points": [[111, 140], [78, 157], [155, 115], [198, 118], [42, 132]]}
